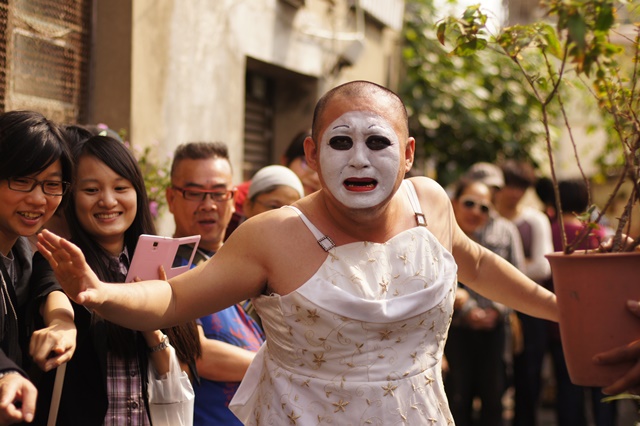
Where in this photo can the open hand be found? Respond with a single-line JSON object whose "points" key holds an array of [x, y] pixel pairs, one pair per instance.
{"points": [[75, 276]]}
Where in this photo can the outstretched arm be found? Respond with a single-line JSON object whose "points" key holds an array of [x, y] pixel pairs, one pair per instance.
{"points": [[152, 305], [127, 305], [498, 280], [478, 268]]}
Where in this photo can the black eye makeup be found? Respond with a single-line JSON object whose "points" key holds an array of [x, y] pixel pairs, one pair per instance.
{"points": [[341, 143], [376, 143], [345, 143]]}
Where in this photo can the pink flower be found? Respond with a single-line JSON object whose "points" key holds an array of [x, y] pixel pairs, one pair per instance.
{"points": [[153, 208]]}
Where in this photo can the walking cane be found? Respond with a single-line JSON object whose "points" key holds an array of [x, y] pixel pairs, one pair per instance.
{"points": [[57, 393]]}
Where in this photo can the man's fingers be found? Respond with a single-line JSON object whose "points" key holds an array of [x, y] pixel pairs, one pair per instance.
{"points": [[623, 384], [29, 395], [631, 352], [17, 389], [634, 306]]}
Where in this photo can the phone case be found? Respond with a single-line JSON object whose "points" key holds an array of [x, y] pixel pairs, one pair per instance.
{"points": [[153, 251]]}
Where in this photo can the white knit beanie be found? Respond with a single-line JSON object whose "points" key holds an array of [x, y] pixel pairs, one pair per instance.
{"points": [[271, 176]]}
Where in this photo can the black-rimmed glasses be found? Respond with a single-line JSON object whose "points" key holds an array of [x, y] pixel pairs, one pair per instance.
{"points": [[49, 187], [201, 194]]}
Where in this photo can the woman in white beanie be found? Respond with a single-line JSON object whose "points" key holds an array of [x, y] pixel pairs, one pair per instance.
{"points": [[271, 188]]}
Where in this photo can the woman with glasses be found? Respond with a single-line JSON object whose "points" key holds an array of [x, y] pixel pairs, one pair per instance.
{"points": [[107, 211], [477, 350], [35, 171]]}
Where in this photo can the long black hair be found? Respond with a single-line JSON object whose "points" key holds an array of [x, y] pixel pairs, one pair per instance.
{"points": [[113, 153]]}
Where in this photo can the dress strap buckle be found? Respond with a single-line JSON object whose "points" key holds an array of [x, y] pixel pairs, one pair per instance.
{"points": [[421, 220], [326, 243]]}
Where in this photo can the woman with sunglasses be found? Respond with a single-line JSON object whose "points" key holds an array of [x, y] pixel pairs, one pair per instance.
{"points": [[477, 350], [35, 171]]}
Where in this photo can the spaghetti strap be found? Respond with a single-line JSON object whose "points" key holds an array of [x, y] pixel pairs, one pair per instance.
{"points": [[327, 243], [324, 241], [421, 220]]}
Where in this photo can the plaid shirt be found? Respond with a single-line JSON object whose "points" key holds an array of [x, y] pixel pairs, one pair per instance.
{"points": [[124, 388], [124, 384]]}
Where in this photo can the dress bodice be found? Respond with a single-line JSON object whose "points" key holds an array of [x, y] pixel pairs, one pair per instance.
{"points": [[360, 342]]}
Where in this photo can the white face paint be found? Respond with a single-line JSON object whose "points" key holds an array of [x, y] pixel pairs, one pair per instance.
{"points": [[360, 159]]}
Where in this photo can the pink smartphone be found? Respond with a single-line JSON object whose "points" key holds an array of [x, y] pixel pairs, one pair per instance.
{"points": [[153, 251]]}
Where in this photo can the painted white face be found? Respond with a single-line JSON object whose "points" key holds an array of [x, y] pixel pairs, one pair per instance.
{"points": [[360, 159]]}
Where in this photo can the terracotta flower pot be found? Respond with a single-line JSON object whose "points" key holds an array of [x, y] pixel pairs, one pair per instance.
{"points": [[592, 291]]}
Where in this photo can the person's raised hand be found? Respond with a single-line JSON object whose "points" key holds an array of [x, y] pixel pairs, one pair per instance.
{"points": [[75, 276], [630, 352], [17, 399]]}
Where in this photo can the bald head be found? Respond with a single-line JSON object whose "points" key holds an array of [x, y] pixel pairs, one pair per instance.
{"points": [[378, 98]]}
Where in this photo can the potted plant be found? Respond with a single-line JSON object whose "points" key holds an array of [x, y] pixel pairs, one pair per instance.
{"points": [[574, 45]]}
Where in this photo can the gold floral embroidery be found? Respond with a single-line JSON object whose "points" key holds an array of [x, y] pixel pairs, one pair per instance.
{"points": [[312, 314], [293, 418], [384, 334], [388, 390], [318, 359], [340, 406], [414, 345]]}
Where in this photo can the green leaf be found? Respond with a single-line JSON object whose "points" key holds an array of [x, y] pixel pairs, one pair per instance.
{"points": [[470, 47], [577, 30], [605, 18], [442, 28], [551, 38]]}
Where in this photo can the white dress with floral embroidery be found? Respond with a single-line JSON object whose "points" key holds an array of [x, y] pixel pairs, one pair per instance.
{"points": [[361, 342]]}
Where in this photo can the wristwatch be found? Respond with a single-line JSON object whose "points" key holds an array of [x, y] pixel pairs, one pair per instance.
{"points": [[160, 346]]}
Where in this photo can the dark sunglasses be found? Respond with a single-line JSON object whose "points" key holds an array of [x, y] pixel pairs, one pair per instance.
{"points": [[471, 204]]}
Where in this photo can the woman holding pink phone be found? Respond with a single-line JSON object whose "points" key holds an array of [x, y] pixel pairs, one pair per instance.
{"points": [[107, 212]]}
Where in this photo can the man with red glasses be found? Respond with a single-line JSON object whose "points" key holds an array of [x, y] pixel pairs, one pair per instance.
{"points": [[201, 200]]}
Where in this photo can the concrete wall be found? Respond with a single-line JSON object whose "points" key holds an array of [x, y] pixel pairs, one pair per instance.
{"points": [[178, 73]]}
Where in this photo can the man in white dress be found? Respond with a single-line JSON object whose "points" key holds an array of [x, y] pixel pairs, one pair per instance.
{"points": [[361, 148]]}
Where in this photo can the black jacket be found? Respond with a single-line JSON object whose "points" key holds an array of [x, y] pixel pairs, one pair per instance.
{"points": [[84, 393]]}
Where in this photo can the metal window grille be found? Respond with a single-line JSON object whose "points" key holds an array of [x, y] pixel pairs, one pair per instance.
{"points": [[44, 57]]}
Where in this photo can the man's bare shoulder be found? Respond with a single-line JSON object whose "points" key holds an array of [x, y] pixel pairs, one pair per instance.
{"points": [[429, 190], [436, 206], [281, 243], [272, 221]]}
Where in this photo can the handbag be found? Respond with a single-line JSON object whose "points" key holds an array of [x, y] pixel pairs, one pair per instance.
{"points": [[171, 397]]}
